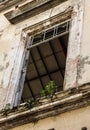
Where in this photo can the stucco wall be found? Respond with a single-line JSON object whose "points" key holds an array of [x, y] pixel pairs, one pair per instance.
{"points": [[10, 36], [73, 120], [6, 55], [84, 70], [10, 40]]}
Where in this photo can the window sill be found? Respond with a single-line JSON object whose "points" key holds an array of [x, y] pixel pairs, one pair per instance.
{"points": [[62, 102]]}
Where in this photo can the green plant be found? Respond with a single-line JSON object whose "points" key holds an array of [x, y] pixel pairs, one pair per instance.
{"points": [[43, 92], [50, 89], [30, 103], [6, 109]]}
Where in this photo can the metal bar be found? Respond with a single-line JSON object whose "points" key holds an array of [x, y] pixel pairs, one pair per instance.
{"points": [[26, 80], [56, 59], [47, 56], [29, 47], [55, 34], [44, 63], [37, 70], [43, 75]]}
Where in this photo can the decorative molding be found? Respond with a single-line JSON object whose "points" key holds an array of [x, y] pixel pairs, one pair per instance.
{"points": [[50, 22], [30, 9]]}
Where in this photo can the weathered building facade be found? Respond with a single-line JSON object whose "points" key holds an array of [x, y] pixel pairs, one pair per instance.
{"points": [[43, 41]]}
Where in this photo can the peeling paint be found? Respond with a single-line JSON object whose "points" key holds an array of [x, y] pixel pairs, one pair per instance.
{"points": [[7, 64], [1, 68], [82, 63], [12, 45]]}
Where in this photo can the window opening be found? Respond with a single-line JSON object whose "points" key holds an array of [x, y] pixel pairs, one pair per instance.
{"points": [[47, 61], [51, 129]]}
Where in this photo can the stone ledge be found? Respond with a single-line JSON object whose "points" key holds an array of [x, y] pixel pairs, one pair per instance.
{"points": [[30, 9], [62, 102], [9, 3]]}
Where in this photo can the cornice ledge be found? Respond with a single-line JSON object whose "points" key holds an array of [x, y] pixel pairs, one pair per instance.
{"points": [[30, 9], [6, 4], [65, 101]]}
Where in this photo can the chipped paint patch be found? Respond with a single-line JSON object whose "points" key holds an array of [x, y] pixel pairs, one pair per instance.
{"points": [[84, 61]]}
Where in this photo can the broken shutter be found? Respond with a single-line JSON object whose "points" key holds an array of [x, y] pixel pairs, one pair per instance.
{"points": [[19, 71], [23, 74]]}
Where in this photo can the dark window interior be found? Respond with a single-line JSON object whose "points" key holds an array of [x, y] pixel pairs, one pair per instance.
{"points": [[51, 129], [46, 62]]}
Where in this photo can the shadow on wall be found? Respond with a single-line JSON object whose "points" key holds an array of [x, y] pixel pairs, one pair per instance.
{"points": [[84, 128]]}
